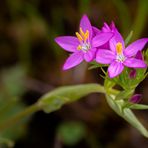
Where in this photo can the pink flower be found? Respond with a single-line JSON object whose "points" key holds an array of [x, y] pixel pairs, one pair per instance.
{"points": [[84, 45], [120, 56]]}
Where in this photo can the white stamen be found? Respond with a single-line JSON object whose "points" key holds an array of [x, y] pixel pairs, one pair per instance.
{"points": [[85, 47], [120, 57]]}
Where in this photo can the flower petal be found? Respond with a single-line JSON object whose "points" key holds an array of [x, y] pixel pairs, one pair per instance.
{"points": [[105, 56], [95, 31], [134, 63], [115, 69], [73, 60], [69, 43], [90, 55], [112, 44], [101, 39], [86, 25], [139, 55], [112, 25], [115, 39], [134, 47], [106, 28]]}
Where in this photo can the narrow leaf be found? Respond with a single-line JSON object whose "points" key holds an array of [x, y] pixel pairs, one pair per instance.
{"points": [[95, 65], [127, 40], [127, 114], [67, 94], [139, 106]]}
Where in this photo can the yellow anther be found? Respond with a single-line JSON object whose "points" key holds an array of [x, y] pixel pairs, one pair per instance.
{"points": [[79, 37], [86, 35], [119, 48], [81, 32], [79, 47]]}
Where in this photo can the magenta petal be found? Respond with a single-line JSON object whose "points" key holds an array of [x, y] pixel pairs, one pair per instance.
{"points": [[118, 37], [104, 56], [112, 44], [90, 55], [73, 60], [69, 43], [106, 28], [134, 63], [115, 69], [86, 25], [139, 55], [101, 39], [115, 39], [134, 47], [95, 31], [112, 25]]}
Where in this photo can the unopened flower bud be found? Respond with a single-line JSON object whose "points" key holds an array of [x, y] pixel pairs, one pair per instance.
{"points": [[132, 73], [135, 98]]}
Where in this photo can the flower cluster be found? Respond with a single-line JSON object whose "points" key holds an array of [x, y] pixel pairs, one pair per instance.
{"points": [[105, 46]]}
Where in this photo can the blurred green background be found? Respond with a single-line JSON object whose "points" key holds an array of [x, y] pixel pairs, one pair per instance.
{"points": [[31, 65]]}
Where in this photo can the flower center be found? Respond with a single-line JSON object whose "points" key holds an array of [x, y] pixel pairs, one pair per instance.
{"points": [[119, 49], [83, 38]]}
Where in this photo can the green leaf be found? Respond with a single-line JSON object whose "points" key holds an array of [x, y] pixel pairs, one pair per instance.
{"points": [[93, 67], [67, 94], [139, 106], [126, 114], [96, 65], [127, 40]]}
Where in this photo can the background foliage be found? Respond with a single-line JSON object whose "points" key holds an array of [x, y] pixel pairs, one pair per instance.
{"points": [[31, 65]]}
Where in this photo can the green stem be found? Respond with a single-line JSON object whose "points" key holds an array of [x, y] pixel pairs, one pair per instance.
{"points": [[11, 121], [51, 102]]}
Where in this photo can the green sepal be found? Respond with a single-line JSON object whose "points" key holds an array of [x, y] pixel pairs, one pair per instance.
{"points": [[128, 83], [125, 94]]}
